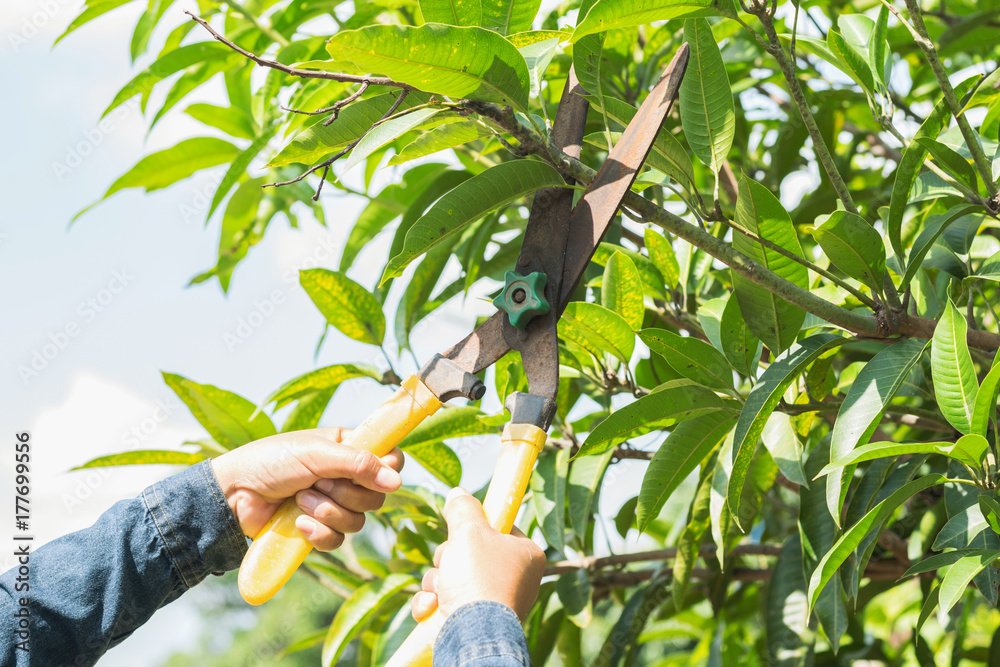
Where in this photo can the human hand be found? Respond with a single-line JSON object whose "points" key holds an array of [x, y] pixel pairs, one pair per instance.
{"points": [[333, 484], [478, 563]]}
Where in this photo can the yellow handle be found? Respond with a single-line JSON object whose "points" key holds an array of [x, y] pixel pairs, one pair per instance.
{"points": [[520, 445], [280, 548]]}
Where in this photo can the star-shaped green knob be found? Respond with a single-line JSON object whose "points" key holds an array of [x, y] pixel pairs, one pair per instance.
{"points": [[523, 297]]}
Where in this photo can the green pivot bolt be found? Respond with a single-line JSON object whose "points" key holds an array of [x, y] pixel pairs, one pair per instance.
{"points": [[522, 298]]}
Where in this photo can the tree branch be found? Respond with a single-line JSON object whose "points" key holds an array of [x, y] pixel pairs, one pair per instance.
{"points": [[302, 73]]}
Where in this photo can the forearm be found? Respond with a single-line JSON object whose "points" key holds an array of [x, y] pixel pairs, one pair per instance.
{"points": [[482, 634], [91, 589]]}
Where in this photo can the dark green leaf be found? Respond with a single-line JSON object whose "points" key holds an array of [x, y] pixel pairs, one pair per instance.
{"points": [[707, 110], [691, 357], [955, 383], [854, 247], [548, 495]]}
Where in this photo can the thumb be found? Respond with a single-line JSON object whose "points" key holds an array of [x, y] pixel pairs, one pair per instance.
{"points": [[461, 509], [360, 466]]}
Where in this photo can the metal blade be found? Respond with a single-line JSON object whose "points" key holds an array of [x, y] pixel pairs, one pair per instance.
{"points": [[548, 228], [543, 249], [597, 207]]}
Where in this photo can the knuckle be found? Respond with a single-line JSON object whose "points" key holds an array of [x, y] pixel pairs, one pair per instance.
{"points": [[365, 465]]}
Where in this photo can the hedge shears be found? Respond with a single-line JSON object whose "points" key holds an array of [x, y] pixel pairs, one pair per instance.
{"points": [[559, 242]]}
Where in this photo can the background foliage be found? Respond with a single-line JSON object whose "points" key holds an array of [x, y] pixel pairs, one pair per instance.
{"points": [[794, 321]]}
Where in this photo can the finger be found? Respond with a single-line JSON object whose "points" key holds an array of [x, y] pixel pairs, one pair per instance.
{"points": [[430, 580], [318, 535], [349, 495], [329, 513], [335, 433], [394, 459], [516, 532], [438, 553], [461, 510], [423, 605], [360, 466]]}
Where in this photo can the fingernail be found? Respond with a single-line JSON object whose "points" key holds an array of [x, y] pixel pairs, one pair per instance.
{"points": [[306, 528], [308, 501], [387, 479]]}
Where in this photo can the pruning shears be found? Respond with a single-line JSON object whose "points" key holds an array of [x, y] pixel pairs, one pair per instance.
{"points": [[558, 244]]}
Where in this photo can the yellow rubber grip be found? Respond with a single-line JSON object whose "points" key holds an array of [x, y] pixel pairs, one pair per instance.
{"points": [[520, 446], [280, 548]]}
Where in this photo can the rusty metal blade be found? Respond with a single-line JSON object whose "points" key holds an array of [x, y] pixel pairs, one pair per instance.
{"points": [[544, 249], [597, 207], [547, 229]]}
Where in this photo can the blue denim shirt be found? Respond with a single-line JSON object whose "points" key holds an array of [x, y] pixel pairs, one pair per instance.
{"points": [[89, 590]]}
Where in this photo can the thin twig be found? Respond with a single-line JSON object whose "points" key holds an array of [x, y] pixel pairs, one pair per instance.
{"points": [[334, 109], [301, 73]]}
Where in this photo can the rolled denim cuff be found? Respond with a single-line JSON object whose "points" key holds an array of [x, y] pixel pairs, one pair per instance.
{"points": [[197, 526], [480, 634]]}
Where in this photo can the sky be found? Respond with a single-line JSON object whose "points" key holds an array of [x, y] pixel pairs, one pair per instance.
{"points": [[91, 314]]}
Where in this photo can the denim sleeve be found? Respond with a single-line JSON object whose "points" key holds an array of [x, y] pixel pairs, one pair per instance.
{"points": [[89, 590], [482, 634]]}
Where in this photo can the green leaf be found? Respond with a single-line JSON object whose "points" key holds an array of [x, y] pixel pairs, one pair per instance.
{"points": [[308, 411], [537, 57], [597, 330], [382, 134], [986, 400], [772, 319], [92, 9], [465, 63], [319, 140], [652, 281], [469, 201], [230, 419], [416, 301], [990, 508], [610, 14], [707, 110], [231, 120], [661, 252], [854, 247], [878, 46], [321, 379], [238, 167], [689, 543], [962, 527], [455, 422], [163, 168], [167, 64], [441, 138], [144, 457], [358, 609], [851, 62], [439, 460], [452, 12], [863, 408], [955, 383], [687, 445], [587, 56], [783, 445], [913, 159], [933, 228], [953, 163], [345, 304], [621, 290], [691, 357], [789, 637], [585, 475], [548, 495], [576, 595], [958, 578], [740, 346], [882, 449], [661, 409], [762, 400], [852, 537], [509, 16], [622, 641]]}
